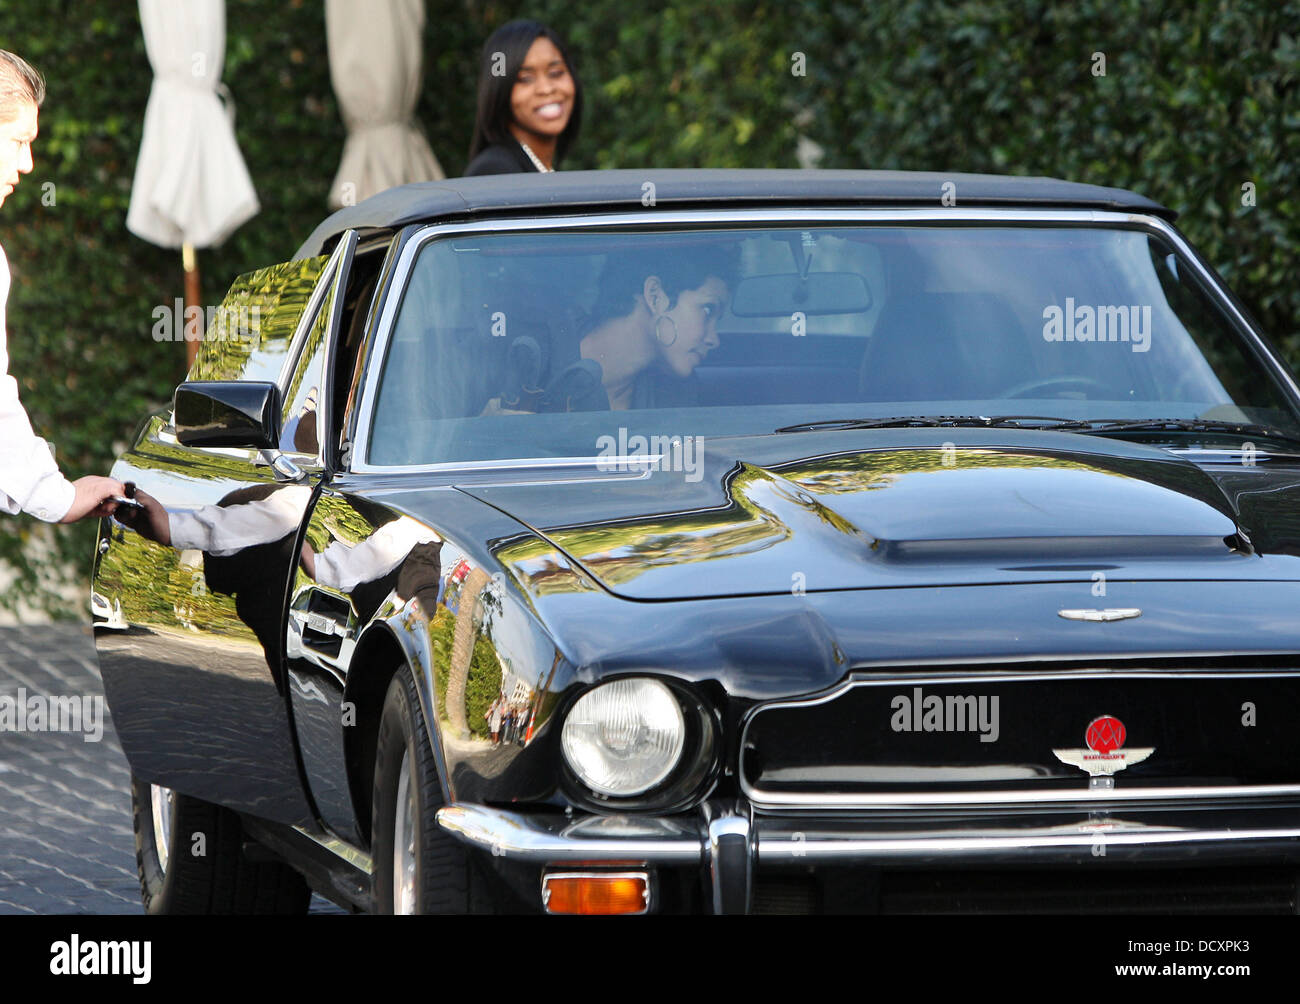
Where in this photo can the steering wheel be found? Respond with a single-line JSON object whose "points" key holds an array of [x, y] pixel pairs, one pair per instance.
{"points": [[1034, 388]]}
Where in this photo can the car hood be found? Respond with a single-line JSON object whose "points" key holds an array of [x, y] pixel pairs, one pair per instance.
{"points": [[836, 510]]}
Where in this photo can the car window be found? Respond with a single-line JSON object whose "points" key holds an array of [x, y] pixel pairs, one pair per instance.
{"points": [[250, 335], [298, 421], [555, 344]]}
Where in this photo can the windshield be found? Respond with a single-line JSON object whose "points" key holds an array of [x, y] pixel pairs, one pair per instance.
{"points": [[535, 345]]}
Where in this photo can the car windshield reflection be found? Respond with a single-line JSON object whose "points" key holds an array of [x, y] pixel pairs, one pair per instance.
{"points": [[525, 346]]}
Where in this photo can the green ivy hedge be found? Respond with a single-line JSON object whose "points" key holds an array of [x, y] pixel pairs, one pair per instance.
{"points": [[1196, 101]]}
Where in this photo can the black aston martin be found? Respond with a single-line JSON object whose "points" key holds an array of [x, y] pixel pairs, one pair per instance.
{"points": [[718, 541]]}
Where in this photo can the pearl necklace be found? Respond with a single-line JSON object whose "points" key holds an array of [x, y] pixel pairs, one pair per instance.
{"points": [[535, 159]]}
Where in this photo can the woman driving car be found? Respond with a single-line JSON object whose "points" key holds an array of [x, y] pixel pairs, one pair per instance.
{"points": [[655, 319]]}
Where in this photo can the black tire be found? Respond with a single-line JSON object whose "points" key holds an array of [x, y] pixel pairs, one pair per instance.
{"points": [[446, 878], [220, 880]]}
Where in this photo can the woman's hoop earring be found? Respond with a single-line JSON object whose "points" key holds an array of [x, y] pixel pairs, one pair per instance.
{"points": [[659, 337]]}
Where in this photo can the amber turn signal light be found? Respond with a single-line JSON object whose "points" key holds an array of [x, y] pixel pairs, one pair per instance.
{"points": [[596, 893]]}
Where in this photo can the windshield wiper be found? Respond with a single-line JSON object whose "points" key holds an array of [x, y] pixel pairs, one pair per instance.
{"points": [[937, 421], [1108, 426], [1105, 427], [1097, 426]]}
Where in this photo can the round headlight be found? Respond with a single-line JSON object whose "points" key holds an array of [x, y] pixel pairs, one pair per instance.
{"points": [[624, 737]]}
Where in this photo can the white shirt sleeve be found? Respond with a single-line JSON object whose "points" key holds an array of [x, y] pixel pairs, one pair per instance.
{"points": [[29, 478], [223, 531], [344, 566]]}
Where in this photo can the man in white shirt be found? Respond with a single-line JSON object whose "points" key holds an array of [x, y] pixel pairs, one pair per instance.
{"points": [[30, 480]]}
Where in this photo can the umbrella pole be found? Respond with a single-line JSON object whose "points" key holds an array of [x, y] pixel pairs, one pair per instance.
{"points": [[193, 298]]}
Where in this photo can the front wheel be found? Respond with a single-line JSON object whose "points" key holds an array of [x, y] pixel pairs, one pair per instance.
{"points": [[190, 857], [418, 867]]}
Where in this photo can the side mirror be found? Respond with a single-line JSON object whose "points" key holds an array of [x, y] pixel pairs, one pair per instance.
{"points": [[227, 413]]}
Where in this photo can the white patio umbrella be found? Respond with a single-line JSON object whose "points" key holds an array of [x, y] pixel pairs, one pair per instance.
{"points": [[191, 187], [375, 64]]}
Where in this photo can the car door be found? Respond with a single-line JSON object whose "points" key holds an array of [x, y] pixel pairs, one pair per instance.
{"points": [[195, 673]]}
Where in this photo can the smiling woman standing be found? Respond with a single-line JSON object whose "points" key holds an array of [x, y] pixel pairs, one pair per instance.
{"points": [[529, 102]]}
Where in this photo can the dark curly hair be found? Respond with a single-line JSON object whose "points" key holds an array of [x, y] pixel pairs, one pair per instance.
{"points": [[679, 265]]}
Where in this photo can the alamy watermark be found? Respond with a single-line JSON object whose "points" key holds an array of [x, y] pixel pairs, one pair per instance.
{"points": [[176, 322], [918, 712], [683, 454], [1085, 323], [75, 957], [53, 713]]}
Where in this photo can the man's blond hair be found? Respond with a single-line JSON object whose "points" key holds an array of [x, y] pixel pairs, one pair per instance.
{"points": [[20, 83]]}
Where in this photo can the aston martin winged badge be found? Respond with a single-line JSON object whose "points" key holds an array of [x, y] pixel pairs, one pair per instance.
{"points": [[1104, 755], [1109, 614]]}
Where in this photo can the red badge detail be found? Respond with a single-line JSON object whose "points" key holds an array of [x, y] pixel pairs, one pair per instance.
{"points": [[1105, 734]]}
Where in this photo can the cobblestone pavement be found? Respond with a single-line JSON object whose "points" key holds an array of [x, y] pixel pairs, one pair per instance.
{"points": [[66, 844]]}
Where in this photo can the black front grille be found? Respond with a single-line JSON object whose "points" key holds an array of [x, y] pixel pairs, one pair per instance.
{"points": [[1101, 891], [785, 895], [1013, 734]]}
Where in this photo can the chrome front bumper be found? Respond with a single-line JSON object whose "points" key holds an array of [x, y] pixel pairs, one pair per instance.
{"points": [[731, 843]]}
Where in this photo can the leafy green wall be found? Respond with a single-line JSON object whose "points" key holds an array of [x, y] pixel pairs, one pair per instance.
{"points": [[1196, 101]]}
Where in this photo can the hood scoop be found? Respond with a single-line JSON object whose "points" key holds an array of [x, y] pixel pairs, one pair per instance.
{"points": [[883, 518]]}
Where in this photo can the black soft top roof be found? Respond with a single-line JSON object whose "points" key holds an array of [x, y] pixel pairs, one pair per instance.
{"points": [[567, 191]]}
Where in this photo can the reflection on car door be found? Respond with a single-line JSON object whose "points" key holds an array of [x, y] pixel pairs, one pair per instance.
{"points": [[196, 683]]}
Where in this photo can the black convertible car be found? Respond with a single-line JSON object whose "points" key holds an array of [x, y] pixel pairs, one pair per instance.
{"points": [[704, 541]]}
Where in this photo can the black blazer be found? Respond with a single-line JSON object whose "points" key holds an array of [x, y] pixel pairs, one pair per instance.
{"points": [[501, 158]]}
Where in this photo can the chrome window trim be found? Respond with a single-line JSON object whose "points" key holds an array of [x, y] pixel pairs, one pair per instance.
{"points": [[308, 318], [384, 281], [702, 218], [328, 283], [957, 799]]}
